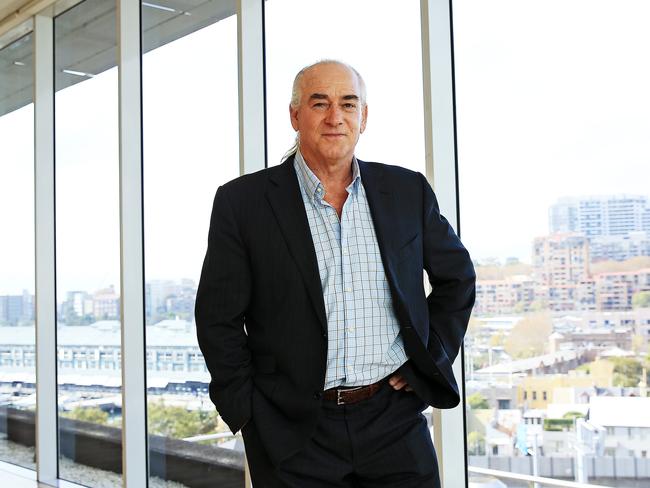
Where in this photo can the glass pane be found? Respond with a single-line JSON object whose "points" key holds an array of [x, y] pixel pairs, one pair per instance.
{"points": [[87, 245], [553, 124], [190, 132], [392, 69], [17, 360]]}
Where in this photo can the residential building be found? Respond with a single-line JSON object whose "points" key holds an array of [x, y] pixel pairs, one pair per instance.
{"points": [[627, 424], [17, 309], [513, 294], [614, 291], [617, 226], [106, 304], [604, 215], [539, 391]]}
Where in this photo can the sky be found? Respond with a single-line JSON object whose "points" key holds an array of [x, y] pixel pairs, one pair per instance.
{"points": [[551, 97]]}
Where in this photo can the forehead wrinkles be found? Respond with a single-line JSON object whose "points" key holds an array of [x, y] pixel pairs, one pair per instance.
{"points": [[337, 85]]}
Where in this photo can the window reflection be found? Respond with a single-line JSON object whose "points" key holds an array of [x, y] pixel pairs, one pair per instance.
{"points": [[87, 245], [190, 137], [17, 351]]}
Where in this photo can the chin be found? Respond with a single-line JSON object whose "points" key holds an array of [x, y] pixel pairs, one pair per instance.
{"points": [[337, 153]]}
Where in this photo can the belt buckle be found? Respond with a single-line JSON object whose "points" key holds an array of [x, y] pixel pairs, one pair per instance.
{"points": [[339, 398]]}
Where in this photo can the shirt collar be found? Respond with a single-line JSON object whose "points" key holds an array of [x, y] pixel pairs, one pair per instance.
{"points": [[312, 185]]}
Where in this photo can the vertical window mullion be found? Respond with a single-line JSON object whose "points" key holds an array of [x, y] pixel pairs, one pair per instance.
{"points": [[440, 143], [252, 120], [44, 216], [134, 428]]}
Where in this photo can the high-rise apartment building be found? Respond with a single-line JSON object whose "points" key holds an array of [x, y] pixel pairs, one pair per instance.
{"points": [[16, 309], [106, 304], [598, 216], [561, 264], [617, 226]]}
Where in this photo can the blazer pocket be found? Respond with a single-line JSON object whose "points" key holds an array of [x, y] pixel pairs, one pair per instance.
{"points": [[264, 364], [404, 251]]}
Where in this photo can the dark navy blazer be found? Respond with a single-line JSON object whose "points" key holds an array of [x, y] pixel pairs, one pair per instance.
{"points": [[260, 314]]}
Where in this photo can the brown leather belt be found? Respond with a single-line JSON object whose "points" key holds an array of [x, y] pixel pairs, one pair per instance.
{"points": [[347, 396]]}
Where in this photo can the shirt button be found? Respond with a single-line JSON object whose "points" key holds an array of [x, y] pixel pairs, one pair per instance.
{"points": [[348, 289], [345, 251], [351, 329]]}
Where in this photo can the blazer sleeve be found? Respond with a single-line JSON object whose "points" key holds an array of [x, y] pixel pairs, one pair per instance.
{"points": [[451, 275], [221, 302]]}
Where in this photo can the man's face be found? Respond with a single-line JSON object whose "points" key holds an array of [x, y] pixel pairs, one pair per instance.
{"points": [[330, 116]]}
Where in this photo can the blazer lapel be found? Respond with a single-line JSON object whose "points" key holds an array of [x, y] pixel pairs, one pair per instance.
{"points": [[384, 213], [286, 201]]}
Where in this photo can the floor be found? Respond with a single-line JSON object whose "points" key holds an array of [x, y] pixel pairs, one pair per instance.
{"points": [[16, 481]]}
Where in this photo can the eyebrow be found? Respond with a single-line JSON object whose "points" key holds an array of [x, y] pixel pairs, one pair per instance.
{"points": [[322, 96]]}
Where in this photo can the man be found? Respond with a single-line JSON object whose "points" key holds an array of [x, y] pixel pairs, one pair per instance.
{"points": [[311, 311]]}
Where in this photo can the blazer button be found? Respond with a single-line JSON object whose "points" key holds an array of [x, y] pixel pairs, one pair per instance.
{"points": [[318, 395]]}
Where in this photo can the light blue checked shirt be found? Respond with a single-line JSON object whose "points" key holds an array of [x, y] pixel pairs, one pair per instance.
{"points": [[364, 340]]}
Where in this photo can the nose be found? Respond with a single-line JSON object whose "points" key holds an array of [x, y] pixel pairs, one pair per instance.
{"points": [[334, 115]]}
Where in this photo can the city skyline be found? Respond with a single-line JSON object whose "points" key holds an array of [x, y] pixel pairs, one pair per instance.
{"points": [[481, 260]]}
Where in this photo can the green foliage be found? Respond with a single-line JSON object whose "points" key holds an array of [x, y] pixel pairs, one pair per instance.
{"points": [[178, 422], [558, 425], [573, 415], [476, 444], [477, 401], [94, 414], [627, 371], [641, 299]]}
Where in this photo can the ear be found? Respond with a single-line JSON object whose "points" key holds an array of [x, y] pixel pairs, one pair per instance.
{"points": [[293, 114], [364, 118]]}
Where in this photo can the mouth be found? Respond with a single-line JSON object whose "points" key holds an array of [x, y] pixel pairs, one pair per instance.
{"points": [[333, 135]]}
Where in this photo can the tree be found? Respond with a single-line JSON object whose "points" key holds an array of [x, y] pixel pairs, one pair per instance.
{"points": [[627, 371], [93, 414], [494, 270], [178, 422], [632, 264], [476, 443], [573, 415], [528, 337], [477, 401], [497, 339], [641, 299]]}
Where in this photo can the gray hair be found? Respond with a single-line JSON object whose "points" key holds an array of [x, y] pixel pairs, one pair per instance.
{"points": [[296, 93]]}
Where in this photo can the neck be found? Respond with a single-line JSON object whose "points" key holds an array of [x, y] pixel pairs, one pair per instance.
{"points": [[331, 173]]}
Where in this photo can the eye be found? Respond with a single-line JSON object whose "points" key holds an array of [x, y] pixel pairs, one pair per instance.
{"points": [[349, 106]]}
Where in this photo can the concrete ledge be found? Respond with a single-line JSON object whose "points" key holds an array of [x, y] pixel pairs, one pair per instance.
{"points": [[100, 446]]}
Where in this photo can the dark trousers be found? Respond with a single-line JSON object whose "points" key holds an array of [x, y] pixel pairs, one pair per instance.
{"points": [[379, 442]]}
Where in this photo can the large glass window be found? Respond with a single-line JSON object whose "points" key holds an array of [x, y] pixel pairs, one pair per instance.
{"points": [[17, 360], [87, 244], [386, 51], [190, 141], [553, 116]]}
